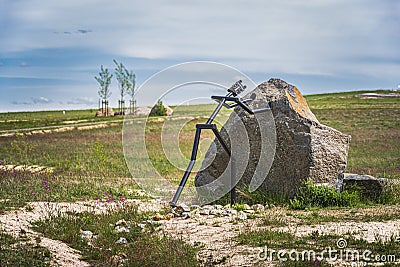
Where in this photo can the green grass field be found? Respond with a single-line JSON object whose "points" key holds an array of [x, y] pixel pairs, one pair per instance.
{"points": [[87, 162]]}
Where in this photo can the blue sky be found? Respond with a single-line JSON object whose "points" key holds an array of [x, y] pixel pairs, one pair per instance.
{"points": [[51, 50]]}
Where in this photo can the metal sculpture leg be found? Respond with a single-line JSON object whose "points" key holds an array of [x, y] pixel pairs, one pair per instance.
{"points": [[189, 167], [195, 148]]}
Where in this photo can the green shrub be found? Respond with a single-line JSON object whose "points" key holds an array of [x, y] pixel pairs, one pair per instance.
{"points": [[311, 195], [158, 109]]}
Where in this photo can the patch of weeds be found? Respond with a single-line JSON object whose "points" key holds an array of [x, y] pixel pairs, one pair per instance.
{"points": [[21, 148], [272, 220], [216, 224], [390, 194], [318, 243], [310, 195], [239, 206], [267, 237], [13, 252], [260, 196], [142, 247], [251, 216]]}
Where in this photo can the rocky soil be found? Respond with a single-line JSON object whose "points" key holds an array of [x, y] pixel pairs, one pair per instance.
{"points": [[211, 228]]}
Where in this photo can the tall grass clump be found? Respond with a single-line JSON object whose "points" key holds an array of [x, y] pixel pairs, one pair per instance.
{"points": [[311, 195]]}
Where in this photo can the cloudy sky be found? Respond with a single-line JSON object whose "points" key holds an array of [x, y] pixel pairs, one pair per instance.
{"points": [[51, 50]]}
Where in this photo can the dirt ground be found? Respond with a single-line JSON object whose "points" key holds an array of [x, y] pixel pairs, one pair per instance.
{"points": [[214, 235]]}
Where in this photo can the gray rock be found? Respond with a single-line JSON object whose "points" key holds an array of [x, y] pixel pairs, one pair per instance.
{"points": [[121, 240], [185, 215], [367, 185], [224, 213], [304, 147], [86, 235], [121, 229], [121, 222], [205, 212], [184, 207], [241, 216]]}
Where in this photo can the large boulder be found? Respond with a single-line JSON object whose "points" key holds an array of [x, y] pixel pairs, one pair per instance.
{"points": [[142, 111], [305, 149]]}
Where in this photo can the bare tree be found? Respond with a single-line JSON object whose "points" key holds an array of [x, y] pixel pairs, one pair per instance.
{"points": [[131, 84], [120, 74], [104, 81]]}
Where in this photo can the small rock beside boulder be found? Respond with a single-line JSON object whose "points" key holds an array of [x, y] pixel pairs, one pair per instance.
{"points": [[367, 185]]}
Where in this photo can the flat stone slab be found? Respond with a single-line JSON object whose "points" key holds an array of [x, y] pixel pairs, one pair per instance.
{"points": [[367, 185]]}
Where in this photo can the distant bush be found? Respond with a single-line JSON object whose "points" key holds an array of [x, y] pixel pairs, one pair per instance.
{"points": [[311, 195], [158, 109]]}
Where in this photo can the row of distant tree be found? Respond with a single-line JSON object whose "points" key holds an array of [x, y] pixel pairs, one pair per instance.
{"points": [[126, 83]]}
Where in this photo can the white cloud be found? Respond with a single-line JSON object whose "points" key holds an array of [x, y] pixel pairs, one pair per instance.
{"points": [[41, 100], [23, 64], [82, 100]]}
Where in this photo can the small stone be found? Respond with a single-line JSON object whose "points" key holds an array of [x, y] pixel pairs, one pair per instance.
{"points": [[86, 235], [169, 216], [218, 207], [242, 216], [121, 222], [185, 215], [250, 211], [246, 207], [184, 207], [233, 211], [205, 212], [158, 217], [141, 225], [121, 240], [258, 208], [121, 229], [224, 213], [208, 207], [215, 212]]}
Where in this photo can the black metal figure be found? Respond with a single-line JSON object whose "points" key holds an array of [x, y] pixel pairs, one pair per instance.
{"points": [[236, 89]]}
